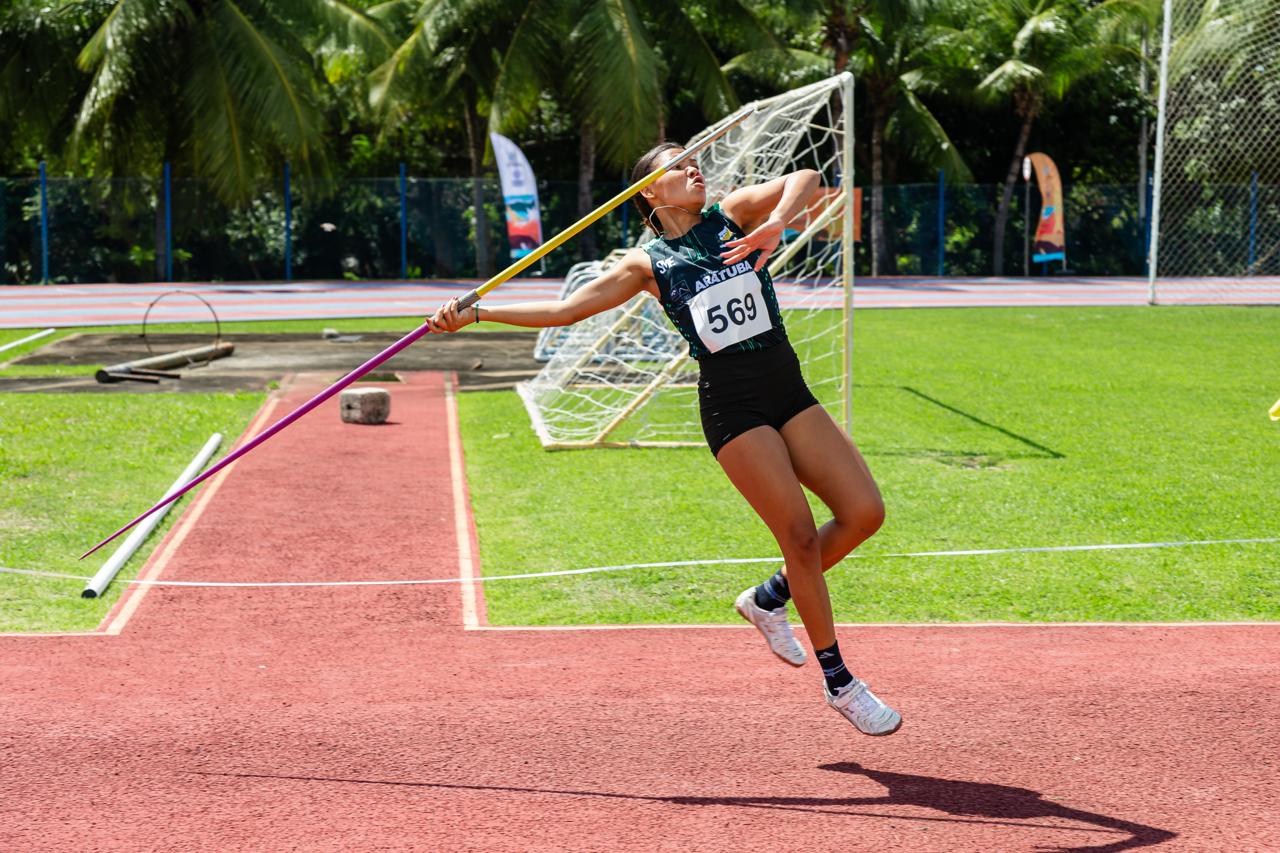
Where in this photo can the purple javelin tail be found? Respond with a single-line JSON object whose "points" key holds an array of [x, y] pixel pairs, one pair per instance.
{"points": [[378, 359]]}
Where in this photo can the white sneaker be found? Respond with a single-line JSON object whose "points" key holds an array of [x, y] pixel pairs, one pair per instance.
{"points": [[773, 624], [864, 709]]}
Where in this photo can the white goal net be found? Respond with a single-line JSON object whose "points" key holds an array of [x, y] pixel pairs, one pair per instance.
{"points": [[624, 379], [1216, 232]]}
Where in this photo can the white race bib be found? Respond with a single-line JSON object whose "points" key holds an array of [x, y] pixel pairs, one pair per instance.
{"points": [[731, 311]]}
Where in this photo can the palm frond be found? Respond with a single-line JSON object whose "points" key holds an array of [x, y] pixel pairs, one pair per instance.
{"points": [[698, 66], [272, 91], [1008, 77], [1049, 24], [395, 15], [781, 69], [220, 140], [391, 82], [40, 81], [915, 127], [526, 67], [122, 51], [617, 82]]}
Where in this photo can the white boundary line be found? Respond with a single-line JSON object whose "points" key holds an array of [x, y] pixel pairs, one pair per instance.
{"points": [[468, 573], [469, 577]]}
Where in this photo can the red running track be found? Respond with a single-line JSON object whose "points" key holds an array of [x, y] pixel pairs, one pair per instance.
{"points": [[367, 718]]}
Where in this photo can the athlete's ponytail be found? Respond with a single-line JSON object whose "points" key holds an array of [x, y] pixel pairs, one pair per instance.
{"points": [[643, 167]]}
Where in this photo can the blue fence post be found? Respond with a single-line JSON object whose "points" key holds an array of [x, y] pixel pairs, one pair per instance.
{"points": [[44, 225], [168, 223], [1253, 223], [404, 227], [942, 220], [288, 227]]}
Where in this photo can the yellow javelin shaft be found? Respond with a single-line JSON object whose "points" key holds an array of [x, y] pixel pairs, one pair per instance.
{"points": [[568, 234]]}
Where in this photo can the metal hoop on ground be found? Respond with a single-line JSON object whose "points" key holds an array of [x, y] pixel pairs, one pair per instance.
{"points": [[217, 324]]}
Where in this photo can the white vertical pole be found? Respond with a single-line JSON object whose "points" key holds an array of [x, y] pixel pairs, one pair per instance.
{"points": [[846, 245], [1154, 257], [98, 583]]}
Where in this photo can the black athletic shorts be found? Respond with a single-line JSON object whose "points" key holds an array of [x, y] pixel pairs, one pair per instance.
{"points": [[739, 391]]}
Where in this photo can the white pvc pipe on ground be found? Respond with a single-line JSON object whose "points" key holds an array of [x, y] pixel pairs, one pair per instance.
{"points": [[107, 573], [27, 339]]}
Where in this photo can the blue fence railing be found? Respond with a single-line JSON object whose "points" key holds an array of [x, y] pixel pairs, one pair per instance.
{"points": [[131, 229]]}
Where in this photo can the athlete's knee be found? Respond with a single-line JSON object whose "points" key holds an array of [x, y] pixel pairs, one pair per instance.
{"points": [[801, 540], [861, 518], [871, 515]]}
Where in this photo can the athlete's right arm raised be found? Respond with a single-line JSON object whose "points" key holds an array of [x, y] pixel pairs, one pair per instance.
{"points": [[622, 281]]}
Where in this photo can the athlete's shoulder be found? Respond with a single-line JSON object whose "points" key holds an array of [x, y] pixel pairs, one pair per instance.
{"points": [[639, 260]]}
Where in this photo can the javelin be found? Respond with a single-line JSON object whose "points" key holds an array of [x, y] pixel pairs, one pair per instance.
{"points": [[466, 302]]}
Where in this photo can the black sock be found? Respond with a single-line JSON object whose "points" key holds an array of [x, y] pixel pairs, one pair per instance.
{"points": [[774, 592], [833, 669]]}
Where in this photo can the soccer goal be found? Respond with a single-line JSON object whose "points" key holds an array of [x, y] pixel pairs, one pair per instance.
{"points": [[1216, 205], [624, 377]]}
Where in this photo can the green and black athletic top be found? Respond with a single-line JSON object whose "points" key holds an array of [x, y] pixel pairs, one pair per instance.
{"points": [[717, 308]]}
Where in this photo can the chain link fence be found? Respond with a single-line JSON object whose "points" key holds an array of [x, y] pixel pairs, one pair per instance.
{"points": [[116, 230], [1219, 196]]}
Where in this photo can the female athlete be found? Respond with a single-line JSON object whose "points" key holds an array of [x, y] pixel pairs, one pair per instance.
{"points": [[765, 428]]}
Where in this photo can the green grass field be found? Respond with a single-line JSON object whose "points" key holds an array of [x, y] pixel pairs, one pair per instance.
{"points": [[998, 428], [993, 428], [74, 468]]}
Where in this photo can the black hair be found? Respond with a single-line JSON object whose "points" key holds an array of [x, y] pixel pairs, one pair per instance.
{"points": [[643, 167]]}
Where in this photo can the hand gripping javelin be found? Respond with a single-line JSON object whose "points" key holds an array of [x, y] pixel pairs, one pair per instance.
{"points": [[466, 302]]}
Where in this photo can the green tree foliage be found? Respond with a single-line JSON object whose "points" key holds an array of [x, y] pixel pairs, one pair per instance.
{"points": [[1033, 52], [227, 90]]}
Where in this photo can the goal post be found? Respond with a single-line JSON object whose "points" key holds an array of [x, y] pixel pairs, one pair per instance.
{"points": [[1216, 195], [623, 378]]}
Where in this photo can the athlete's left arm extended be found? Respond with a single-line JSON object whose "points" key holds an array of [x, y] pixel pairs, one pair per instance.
{"points": [[763, 211]]}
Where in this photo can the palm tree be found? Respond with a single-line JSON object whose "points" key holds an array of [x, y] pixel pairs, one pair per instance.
{"points": [[226, 86], [897, 50], [607, 61], [39, 80], [223, 89], [447, 61], [1040, 49], [610, 61]]}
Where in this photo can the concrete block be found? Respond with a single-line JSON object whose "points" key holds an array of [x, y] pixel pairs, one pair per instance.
{"points": [[365, 405]]}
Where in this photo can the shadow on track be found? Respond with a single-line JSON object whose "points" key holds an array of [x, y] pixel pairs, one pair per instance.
{"points": [[964, 802], [997, 803]]}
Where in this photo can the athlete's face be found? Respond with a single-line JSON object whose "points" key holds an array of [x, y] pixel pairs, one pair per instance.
{"points": [[683, 186]]}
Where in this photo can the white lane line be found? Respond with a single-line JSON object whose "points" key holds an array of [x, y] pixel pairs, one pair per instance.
{"points": [[461, 523], [470, 578], [37, 336]]}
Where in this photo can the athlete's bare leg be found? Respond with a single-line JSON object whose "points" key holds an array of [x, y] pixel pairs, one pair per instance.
{"points": [[760, 467], [828, 463]]}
